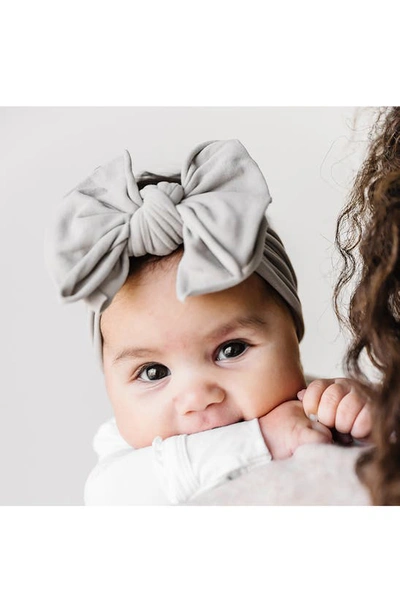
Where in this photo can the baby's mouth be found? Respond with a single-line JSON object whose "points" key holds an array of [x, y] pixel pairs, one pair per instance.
{"points": [[232, 421], [211, 423]]}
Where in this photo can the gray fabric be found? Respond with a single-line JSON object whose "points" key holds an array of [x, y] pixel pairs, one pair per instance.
{"points": [[315, 475], [218, 213]]}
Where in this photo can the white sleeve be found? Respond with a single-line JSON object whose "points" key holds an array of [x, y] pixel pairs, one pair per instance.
{"points": [[173, 470]]}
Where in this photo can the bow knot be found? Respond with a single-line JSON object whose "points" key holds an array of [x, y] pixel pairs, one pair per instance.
{"points": [[156, 227]]}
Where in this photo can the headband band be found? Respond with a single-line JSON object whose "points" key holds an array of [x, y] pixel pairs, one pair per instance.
{"points": [[218, 213]]}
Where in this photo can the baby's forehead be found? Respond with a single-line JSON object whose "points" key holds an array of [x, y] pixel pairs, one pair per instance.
{"points": [[149, 299], [148, 265]]}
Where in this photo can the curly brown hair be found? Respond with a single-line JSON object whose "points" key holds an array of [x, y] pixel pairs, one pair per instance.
{"points": [[368, 238]]}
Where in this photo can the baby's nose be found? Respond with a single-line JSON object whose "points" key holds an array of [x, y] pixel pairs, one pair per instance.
{"points": [[197, 396]]}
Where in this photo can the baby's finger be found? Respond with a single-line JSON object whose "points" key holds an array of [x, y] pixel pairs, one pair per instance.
{"points": [[312, 395], [329, 403], [318, 427], [317, 433], [347, 411], [363, 423]]}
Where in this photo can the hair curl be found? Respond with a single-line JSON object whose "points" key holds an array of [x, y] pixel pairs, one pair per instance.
{"points": [[368, 238]]}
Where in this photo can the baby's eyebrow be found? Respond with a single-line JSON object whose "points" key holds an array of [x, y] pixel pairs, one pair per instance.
{"points": [[132, 352], [251, 321]]}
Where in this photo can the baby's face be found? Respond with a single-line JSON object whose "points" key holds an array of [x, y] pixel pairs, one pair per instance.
{"points": [[180, 368]]}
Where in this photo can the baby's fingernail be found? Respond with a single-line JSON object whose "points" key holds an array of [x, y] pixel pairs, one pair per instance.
{"points": [[300, 394], [313, 417]]}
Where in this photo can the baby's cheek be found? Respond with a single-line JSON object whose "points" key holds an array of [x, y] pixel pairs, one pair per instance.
{"points": [[126, 425], [256, 401], [140, 420], [130, 424], [272, 389], [136, 433], [287, 380]]}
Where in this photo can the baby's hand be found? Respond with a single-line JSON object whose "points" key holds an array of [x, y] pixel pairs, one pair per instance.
{"points": [[337, 404], [287, 427]]}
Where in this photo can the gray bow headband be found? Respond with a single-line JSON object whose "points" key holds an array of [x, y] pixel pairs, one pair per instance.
{"points": [[218, 213]]}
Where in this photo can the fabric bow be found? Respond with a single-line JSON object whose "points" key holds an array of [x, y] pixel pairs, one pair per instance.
{"points": [[218, 213]]}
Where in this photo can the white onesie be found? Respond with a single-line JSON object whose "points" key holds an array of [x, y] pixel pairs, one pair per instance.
{"points": [[173, 470]]}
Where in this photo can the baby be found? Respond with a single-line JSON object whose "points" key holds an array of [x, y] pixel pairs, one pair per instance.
{"points": [[196, 322]]}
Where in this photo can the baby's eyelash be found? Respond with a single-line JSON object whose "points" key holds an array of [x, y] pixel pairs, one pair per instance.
{"points": [[138, 372], [160, 371], [237, 346]]}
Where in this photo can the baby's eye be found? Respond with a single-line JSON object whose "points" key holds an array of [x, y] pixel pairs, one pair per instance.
{"points": [[231, 350], [153, 372]]}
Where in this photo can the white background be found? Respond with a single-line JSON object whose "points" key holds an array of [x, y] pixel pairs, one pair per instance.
{"points": [[53, 397]]}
